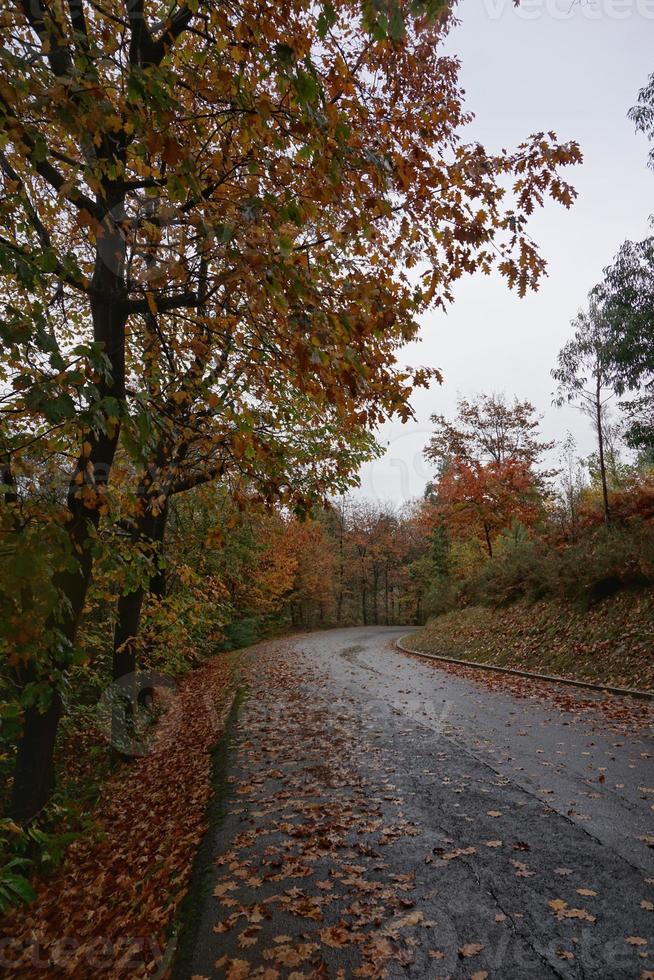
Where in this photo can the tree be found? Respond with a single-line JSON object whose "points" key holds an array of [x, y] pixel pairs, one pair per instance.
{"points": [[572, 486], [585, 375], [628, 299], [488, 429], [251, 177], [486, 468], [479, 500], [642, 114]]}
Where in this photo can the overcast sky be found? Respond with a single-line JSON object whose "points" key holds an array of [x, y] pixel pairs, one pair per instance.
{"points": [[575, 68]]}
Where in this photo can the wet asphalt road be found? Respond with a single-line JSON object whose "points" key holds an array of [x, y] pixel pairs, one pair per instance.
{"points": [[385, 817]]}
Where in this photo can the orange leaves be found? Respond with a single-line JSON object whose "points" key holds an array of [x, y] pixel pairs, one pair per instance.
{"points": [[562, 910], [470, 949], [336, 936], [478, 500], [235, 969], [151, 817]]}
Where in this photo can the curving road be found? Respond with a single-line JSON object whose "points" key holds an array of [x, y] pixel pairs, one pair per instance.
{"points": [[388, 817]]}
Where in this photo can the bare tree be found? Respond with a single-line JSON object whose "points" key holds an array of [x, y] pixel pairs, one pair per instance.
{"points": [[585, 376]]}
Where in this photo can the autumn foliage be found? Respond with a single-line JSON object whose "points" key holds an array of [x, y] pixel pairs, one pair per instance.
{"points": [[209, 223]]}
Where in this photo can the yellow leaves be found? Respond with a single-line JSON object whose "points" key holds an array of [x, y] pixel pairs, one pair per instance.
{"points": [[636, 941], [113, 123]]}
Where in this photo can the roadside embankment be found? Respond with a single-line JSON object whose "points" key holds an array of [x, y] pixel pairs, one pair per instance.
{"points": [[610, 643]]}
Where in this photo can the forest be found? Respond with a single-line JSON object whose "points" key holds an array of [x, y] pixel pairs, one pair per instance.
{"points": [[219, 230]]}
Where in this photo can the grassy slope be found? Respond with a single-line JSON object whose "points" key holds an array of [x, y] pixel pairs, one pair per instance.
{"points": [[611, 643]]}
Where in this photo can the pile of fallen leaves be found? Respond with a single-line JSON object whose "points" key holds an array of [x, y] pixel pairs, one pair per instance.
{"points": [[611, 643], [109, 908]]}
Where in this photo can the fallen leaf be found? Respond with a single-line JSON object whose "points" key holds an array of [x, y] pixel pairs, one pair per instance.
{"points": [[335, 936], [470, 949]]}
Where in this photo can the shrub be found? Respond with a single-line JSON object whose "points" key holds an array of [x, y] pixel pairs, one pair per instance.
{"points": [[602, 562]]}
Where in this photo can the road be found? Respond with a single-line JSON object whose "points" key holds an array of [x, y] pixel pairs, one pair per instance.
{"points": [[386, 817]]}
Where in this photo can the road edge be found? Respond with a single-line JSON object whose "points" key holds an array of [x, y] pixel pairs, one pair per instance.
{"points": [[187, 922], [515, 672]]}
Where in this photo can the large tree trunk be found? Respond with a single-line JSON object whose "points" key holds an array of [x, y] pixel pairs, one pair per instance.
{"points": [[34, 775], [34, 767], [148, 528], [158, 582]]}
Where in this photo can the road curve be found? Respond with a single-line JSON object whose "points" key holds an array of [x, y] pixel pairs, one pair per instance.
{"points": [[386, 817]]}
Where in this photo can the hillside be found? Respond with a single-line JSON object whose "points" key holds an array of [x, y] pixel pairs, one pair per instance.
{"points": [[612, 642]]}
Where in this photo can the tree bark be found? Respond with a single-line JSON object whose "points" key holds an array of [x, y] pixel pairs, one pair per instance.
{"points": [[148, 528], [34, 766], [600, 445], [489, 543]]}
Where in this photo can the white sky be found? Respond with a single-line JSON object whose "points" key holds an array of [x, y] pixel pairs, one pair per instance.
{"points": [[575, 68]]}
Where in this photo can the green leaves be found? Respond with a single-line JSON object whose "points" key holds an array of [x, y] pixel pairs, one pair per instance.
{"points": [[14, 886], [307, 86], [326, 19]]}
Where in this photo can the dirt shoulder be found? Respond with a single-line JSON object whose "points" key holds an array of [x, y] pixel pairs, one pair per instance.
{"points": [[611, 643]]}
